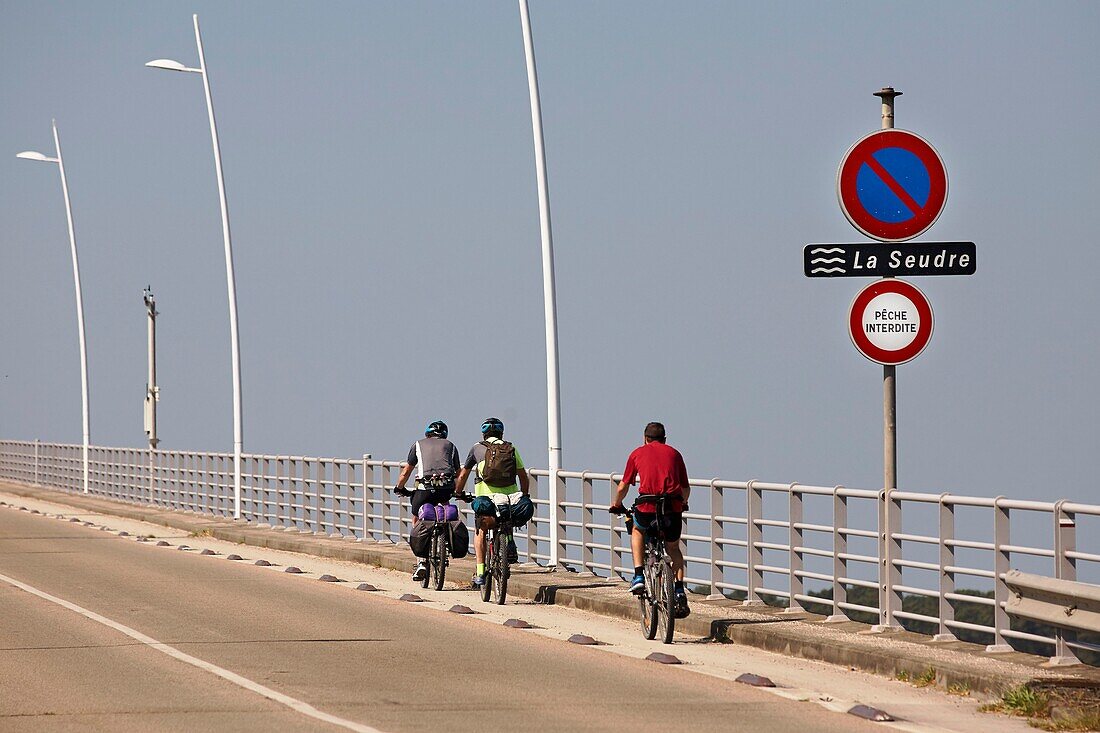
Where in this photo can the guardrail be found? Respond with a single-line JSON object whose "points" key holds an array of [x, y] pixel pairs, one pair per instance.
{"points": [[1061, 603], [791, 544]]}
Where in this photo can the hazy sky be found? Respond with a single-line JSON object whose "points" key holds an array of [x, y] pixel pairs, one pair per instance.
{"points": [[381, 187]]}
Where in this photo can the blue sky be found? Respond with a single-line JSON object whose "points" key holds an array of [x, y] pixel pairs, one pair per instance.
{"points": [[381, 187]]}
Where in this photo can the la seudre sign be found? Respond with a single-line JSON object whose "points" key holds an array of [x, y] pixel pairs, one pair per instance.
{"points": [[872, 259]]}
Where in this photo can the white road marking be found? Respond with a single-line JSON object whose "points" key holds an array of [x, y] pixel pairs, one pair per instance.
{"points": [[294, 704]]}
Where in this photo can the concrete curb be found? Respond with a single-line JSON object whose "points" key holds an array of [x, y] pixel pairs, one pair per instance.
{"points": [[958, 665]]}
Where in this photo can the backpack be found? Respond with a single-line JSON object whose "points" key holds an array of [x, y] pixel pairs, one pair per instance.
{"points": [[499, 467]]}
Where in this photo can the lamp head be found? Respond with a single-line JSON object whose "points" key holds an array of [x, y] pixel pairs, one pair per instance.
{"points": [[35, 155], [169, 64]]}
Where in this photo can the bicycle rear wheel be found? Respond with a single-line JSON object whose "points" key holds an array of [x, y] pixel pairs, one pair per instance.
{"points": [[501, 570], [646, 601], [439, 560], [487, 579], [666, 602]]}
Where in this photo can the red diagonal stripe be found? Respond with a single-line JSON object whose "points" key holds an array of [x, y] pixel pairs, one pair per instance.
{"points": [[893, 185]]}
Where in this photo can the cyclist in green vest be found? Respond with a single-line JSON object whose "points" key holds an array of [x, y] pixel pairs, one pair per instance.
{"points": [[492, 431]]}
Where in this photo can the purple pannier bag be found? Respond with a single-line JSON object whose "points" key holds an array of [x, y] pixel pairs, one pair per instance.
{"points": [[428, 512]]}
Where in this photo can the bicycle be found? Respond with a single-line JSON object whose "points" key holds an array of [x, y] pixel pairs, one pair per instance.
{"points": [[657, 601], [439, 550], [497, 569]]}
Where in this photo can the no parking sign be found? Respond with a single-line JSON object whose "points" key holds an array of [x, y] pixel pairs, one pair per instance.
{"points": [[892, 185]]}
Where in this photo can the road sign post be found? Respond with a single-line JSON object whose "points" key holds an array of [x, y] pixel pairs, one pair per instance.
{"points": [[889, 576], [892, 186]]}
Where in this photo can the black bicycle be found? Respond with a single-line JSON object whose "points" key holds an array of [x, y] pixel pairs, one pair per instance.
{"points": [[497, 568], [657, 601], [439, 551]]}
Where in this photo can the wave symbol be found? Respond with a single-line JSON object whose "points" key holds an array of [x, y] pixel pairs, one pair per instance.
{"points": [[827, 269], [826, 250], [826, 260]]}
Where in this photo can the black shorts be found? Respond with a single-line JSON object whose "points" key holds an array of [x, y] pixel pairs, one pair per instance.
{"points": [[671, 522], [420, 497]]}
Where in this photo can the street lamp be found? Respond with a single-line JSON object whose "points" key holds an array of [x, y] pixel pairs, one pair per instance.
{"points": [[235, 344], [553, 400], [32, 155]]}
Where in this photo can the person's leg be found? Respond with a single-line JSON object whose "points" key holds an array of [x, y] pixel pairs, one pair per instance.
{"points": [[637, 545], [479, 550], [677, 555], [637, 550]]}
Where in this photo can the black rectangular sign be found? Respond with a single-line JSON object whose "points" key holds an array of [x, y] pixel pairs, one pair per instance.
{"points": [[877, 259]]}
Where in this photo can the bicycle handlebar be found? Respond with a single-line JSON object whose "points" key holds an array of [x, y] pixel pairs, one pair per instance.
{"points": [[647, 499], [463, 496]]}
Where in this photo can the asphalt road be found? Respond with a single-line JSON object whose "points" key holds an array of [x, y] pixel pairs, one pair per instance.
{"points": [[363, 658]]}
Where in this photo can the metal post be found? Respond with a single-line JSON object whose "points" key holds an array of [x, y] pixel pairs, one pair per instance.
{"points": [[587, 537], [553, 401], [231, 283], [152, 391], [1065, 568], [31, 155], [37, 443], [79, 306], [754, 537], [368, 524], [1002, 557], [795, 542], [947, 572], [889, 445], [840, 556], [717, 549]]}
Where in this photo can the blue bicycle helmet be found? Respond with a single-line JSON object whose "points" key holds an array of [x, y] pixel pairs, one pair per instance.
{"points": [[437, 428], [492, 426]]}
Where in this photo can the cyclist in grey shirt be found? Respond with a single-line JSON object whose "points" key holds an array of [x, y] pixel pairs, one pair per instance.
{"points": [[437, 464]]}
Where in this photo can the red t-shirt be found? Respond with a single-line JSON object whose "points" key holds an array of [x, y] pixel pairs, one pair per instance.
{"points": [[660, 469]]}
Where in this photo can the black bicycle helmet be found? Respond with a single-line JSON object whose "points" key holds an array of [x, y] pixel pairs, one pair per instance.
{"points": [[492, 426], [437, 428]]}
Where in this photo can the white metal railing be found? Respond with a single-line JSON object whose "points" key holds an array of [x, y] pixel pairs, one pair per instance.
{"points": [[791, 544]]}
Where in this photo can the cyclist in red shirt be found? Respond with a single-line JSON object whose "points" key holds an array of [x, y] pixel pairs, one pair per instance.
{"points": [[660, 470]]}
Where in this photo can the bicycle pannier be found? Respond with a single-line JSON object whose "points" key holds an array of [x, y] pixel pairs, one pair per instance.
{"points": [[420, 538], [460, 539]]}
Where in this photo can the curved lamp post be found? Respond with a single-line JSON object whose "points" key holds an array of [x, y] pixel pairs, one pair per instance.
{"points": [[553, 400], [32, 155], [235, 344]]}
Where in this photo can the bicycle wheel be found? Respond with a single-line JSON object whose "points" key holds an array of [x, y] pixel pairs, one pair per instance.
{"points": [[487, 579], [646, 601], [439, 560], [666, 602], [500, 569]]}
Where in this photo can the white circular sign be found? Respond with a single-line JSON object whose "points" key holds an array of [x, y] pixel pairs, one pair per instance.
{"points": [[890, 321]]}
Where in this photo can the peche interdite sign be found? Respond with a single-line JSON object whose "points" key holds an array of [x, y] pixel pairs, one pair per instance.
{"points": [[890, 321]]}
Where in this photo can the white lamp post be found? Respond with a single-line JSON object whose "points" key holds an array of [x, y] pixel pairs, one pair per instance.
{"points": [[235, 345], [553, 400], [31, 155]]}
